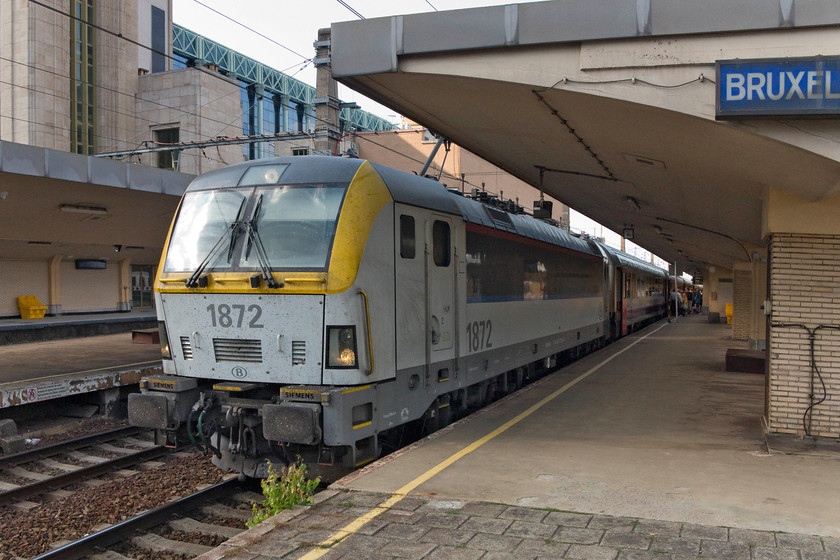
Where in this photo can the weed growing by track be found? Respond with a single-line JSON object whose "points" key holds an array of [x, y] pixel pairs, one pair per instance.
{"points": [[283, 491]]}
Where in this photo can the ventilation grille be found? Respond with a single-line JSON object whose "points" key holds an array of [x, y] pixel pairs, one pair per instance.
{"points": [[234, 350], [298, 352], [186, 348]]}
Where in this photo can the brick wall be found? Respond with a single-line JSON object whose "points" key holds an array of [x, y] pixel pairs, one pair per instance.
{"points": [[804, 289], [742, 310]]}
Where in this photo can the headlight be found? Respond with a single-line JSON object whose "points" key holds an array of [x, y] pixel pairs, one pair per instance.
{"points": [[341, 347], [165, 351]]}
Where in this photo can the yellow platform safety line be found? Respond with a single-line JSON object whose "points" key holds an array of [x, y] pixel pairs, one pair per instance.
{"points": [[326, 545]]}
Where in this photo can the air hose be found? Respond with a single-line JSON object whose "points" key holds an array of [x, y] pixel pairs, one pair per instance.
{"points": [[190, 419]]}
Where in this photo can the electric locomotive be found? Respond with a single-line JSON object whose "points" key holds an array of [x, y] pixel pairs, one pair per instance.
{"points": [[319, 307]]}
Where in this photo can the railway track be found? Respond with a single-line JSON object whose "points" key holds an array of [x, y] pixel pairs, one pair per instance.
{"points": [[76, 461], [143, 532]]}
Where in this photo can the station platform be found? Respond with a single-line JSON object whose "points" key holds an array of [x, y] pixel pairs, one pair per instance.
{"points": [[647, 449], [16, 330], [33, 372]]}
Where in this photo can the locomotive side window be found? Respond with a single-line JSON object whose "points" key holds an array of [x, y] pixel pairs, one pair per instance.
{"points": [[407, 242], [441, 243]]}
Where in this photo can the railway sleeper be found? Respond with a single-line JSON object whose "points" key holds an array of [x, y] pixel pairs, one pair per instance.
{"points": [[155, 543], [221, 511], [109, 555], [190, 525]]}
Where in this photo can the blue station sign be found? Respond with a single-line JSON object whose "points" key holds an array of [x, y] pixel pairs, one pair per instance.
{"points": [[778, 86]]}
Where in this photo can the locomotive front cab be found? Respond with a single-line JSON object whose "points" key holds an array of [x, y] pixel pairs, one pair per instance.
{"points": [[264, 330]]}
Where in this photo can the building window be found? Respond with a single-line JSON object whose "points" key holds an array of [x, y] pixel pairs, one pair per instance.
{"points": [[300, 151], [295, 112], [180, 62], [269, 122], [82, 77], [169, 158], [158, 40]]}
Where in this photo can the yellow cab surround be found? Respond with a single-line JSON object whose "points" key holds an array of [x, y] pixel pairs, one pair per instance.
{"points": [[366, 195]]}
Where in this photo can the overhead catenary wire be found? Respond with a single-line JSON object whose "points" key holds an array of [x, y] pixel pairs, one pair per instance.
{"points": [[148, 47], [351, 8], [254, 31]]}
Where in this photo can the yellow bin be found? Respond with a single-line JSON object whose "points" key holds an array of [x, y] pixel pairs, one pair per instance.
{"points": [[31, 308], [728, 313]]}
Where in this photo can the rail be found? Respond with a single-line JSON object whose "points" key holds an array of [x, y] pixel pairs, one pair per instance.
{"points": [[8, 461], [83, 473], [122, 531]]}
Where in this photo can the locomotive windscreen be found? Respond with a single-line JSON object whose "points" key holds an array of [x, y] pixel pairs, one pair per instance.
{"points": [[293, 224]]}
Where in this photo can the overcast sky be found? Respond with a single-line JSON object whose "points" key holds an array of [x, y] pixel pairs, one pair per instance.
{"points": [[268, 24]]}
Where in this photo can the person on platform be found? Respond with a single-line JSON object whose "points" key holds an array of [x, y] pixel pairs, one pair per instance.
{"points": [[676, 300]]}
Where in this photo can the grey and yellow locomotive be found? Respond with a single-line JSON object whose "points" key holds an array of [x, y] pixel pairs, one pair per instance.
{"points": [[319, 307]]}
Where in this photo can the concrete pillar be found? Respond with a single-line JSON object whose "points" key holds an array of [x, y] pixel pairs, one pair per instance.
{"points": [[54, 279], [717, 292], [109, 402], [758, 329], [804, 294], [124, 303], [742, 302], [327, 104]]}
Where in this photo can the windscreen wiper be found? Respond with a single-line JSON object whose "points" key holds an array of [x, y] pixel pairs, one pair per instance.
{"points": [[253, 225], [195, 280], [255, 241]]}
